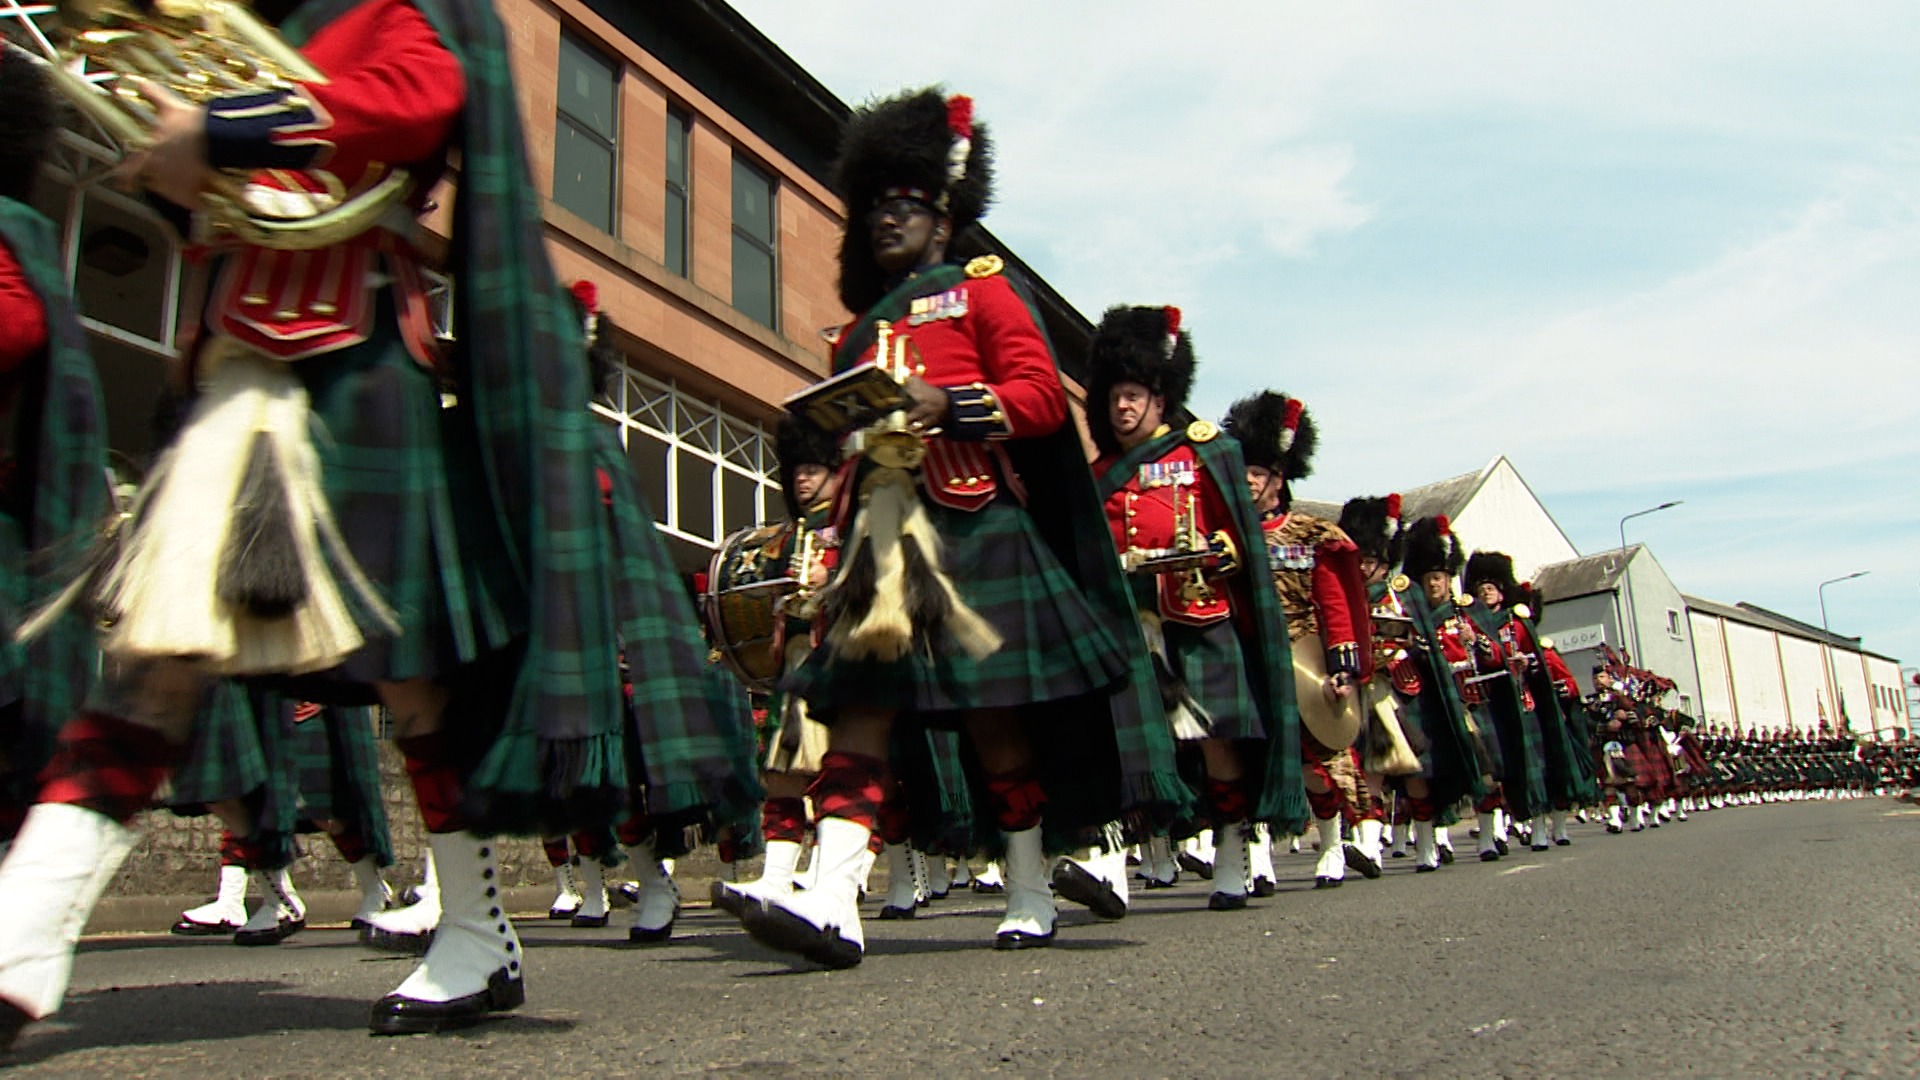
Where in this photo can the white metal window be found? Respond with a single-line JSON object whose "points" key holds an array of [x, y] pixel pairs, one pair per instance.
{"points": [[1673, 623], [705, 473]]}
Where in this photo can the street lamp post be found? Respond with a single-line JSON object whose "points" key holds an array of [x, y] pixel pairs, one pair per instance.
{"points": [[1626, 572], [1826, 646]]}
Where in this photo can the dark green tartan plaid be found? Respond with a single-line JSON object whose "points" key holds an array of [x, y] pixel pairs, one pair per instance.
{"points": [[1054, 647], [1451, 763], [1265, 651], [1523, 769], [350, 791], [692, 724], [225, 756], [1209, 660], [524, 431], [69, 501], [1106, 756]]}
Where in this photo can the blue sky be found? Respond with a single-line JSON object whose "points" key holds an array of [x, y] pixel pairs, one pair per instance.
{"points": [[1648, 251]]}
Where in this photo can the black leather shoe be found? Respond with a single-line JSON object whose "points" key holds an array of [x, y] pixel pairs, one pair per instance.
{"points": [[778, 928], [1263, 887], [1156, 883], [726, 899], [895, 914], [589, 922], [1499, 845], [1615, 829], [188, 928], [1007, 940], [985, 889], [1192, 865], [1075, 883], [1543, 847], [396, 1015], [281, 931], [640, 935], [1490, 856], [1358, 861], [1563, 842], [393, 941], [1226, 901], [1328, 882], [1446, 856], [1425, 869]]}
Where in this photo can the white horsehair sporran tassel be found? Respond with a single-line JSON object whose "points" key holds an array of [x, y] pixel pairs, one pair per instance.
{"points": [[164, 595]]}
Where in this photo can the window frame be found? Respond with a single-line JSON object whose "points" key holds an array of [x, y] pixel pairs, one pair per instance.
{"points": [[769, 247], [680, 119], [563, 119]]}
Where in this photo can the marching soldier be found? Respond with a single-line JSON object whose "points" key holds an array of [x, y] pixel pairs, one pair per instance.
{"points": [[1317, 577], [1173, 487]]}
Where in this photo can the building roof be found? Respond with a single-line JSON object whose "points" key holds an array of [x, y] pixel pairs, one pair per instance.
{"points": [[1765, 619], [1585, 575], [1449, 497]]}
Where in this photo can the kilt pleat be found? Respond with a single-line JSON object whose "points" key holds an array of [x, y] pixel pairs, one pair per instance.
{"points": [[1209, 660], [1053, 648], [224, 757]]}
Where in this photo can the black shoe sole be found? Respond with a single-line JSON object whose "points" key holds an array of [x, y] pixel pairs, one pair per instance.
{"points": [[1156, 883], [1358, 862], [185, 928], [1446, 856], [640, 935], [1073, 882], [1490, 856], [280, 933], [1010, 940], [1263, 888], [392, 941], [778, 928], [1328, 882], [897, 914], [1563, 843], [1193, 865], [395, 1015], [1425, 869], [1500, 846], [988, 890], [589, 922], [1226, 901]]}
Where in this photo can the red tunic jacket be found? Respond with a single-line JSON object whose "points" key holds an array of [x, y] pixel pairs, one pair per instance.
{"points": [[1142, 515], [393, 95]]}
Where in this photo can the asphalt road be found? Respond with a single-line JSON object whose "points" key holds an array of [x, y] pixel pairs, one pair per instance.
{"points": [[1761, 941]]}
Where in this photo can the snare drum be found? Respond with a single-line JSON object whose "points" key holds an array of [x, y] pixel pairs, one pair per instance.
{"points": [[746, 582]]}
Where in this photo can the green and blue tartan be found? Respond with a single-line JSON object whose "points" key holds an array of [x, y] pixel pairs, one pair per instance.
{"points": [[546, 716], [48, 530], [1435, 719], [691, 738], [1257, 660], [1523, 770], [247, 746], [1102, 756]]}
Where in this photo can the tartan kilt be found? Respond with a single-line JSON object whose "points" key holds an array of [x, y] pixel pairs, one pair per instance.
{"points": [[794, 741], [1054, 648], [225, 756], [393, 482], [691, 744], [1651, 765], [1208, 659], [338, 776]]}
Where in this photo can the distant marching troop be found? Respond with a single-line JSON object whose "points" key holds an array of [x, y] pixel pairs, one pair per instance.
{"points": [[971, 642]]}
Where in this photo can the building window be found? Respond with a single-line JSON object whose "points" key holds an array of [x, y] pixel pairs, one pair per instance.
{"points": [[753, 247], [1673, 622], [584, 162], [679, 208]]}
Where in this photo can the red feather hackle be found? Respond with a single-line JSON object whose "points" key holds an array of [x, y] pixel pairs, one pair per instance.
{"points": [[960, 115]]}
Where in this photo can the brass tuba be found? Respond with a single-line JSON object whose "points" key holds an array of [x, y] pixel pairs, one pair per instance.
{"points": [[203, 49]]}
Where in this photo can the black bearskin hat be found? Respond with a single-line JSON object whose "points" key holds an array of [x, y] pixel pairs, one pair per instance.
{"points": [[1373, 524], [799, 443], [922, 144], [1495, 567], [1142, 345], [1430, 546], [28, 117], [1274, 432]]}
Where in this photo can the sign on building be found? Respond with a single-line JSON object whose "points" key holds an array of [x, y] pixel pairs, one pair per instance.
{"points": [[1580, 637]]}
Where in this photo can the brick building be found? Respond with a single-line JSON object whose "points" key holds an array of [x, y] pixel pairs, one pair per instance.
{"points": [[683, 162]]}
